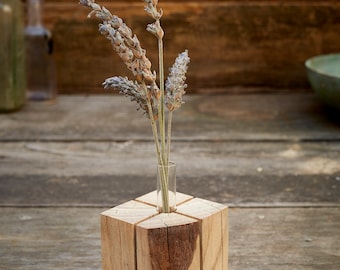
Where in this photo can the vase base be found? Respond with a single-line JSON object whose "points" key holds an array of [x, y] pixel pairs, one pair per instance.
{"points": [[195, 236]]}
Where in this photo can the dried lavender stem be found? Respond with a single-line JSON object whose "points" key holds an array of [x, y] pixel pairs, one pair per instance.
{"points": [[161, 103], [164, 174], [153, 127], [169, 134]]}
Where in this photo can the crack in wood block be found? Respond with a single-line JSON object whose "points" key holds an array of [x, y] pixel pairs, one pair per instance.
{"points": [[194, 237], [151, 198]]}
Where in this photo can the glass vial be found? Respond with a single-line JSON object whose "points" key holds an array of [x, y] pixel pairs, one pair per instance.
{"points": [[40, 69], [12, 52], [166, 188]]}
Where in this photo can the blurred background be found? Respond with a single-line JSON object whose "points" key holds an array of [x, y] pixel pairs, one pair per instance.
{"points": [[235, 46]]}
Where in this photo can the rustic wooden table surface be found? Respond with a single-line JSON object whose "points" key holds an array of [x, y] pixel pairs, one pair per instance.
{"points": [[274, 159]]}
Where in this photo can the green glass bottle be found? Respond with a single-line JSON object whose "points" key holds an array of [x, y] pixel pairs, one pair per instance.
{"points": [[12, 56]]}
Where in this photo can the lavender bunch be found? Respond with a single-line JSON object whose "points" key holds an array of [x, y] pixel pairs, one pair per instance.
{"points": [[125, 44], [150, 97]]}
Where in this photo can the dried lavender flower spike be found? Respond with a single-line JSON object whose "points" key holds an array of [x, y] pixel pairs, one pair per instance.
{"points": [[130, 89], [175, 83], [151, 9], [125, 44], [156, 29]]}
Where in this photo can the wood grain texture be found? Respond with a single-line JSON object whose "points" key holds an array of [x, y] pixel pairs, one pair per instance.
{"points": [[230, 43], [118, 234], [168, 241], [274, 157], [260, 238], [243, 178], [135, 236], [280, 117], [242, 150], [214, 231]]}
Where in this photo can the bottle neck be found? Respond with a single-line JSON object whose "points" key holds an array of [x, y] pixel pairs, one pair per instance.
{"points": [[34, 13]]}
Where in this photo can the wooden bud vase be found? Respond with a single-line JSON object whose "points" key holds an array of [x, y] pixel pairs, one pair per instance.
{"points": [[135, 236]]}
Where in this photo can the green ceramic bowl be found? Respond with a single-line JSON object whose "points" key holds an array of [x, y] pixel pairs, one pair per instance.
{"points": [[324, 76]]}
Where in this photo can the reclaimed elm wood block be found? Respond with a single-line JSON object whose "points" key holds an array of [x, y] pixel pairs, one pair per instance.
{"points": [[194, 237], [213, 219], [168, 241], [118, 234]]}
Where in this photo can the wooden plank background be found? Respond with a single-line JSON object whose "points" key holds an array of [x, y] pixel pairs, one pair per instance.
{"points": [[272, 150], [273, 159], [231, 43]]}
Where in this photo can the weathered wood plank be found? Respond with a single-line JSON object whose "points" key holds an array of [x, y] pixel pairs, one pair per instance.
{"points": [[216, 118], [260, 239], [248, 42], [287, 235], [111, 173]]}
